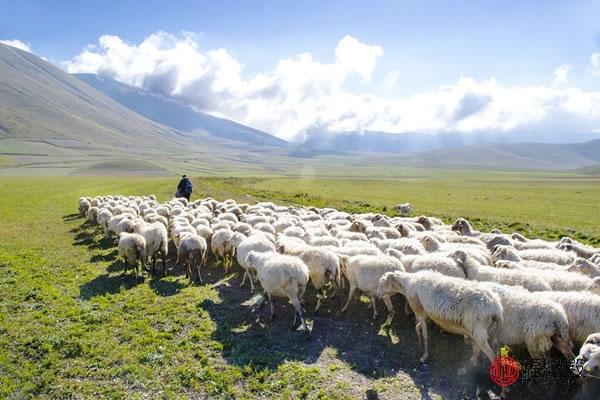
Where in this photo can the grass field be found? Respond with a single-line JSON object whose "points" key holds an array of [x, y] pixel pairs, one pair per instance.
{"points": [[72, 327]]}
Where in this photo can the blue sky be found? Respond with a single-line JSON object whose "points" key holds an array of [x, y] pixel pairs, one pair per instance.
{"points": [[425, 44]]}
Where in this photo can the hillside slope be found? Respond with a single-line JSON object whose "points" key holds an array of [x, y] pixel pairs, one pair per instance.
{"points": [[172, 113]]}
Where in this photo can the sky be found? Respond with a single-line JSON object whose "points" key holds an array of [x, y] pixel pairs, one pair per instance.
{"points": [[295, 67]]}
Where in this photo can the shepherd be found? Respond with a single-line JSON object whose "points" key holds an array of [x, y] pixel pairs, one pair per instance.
{"points": [[184, 188]]}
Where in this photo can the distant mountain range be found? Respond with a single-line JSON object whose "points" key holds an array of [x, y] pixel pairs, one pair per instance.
{"points": [[172, 113], [55, 123]]}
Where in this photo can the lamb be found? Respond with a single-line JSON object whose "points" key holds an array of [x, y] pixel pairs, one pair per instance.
{"points": [[192, 253], [538, 323], [222, 246], [281, 276], [582, 310], [257, 243], [404, 209], [455, 305], [323, 265], [363, 273], [132, 248], [157, 242], [476, 272]]}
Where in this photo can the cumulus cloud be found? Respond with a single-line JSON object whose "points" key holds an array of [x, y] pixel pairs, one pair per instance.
{"points": [[301, 94], [561, 75], [594, 66], [18, 44]]}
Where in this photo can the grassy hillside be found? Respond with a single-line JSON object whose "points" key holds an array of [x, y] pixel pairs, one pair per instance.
{"points": [[71, 325]]}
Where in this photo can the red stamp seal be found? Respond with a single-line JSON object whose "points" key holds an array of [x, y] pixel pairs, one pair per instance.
{"points": [[505, 371]]}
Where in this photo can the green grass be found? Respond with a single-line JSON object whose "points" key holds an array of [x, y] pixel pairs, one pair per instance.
{"points": [[72, 327]]}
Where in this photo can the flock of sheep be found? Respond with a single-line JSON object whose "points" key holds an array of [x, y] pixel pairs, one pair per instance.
{"points": [[492, 288]]}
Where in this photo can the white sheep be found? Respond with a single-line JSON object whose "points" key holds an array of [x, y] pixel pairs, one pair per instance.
{"points": [[257, 243], [103, 218], [157, 242], [363, 273], [84, 206], [582, 309], [132, 248], [92, 214], [281, 276], [456, 305], [222, 247], [192, 253], [528, 319], [474, 271], [323, 265]]}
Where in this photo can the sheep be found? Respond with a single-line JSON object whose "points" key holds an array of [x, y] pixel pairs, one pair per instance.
{"points": [[222, 246], [404, 209], [157, 242], [132, 248], [541, 255], [281, 276], [257, 243], [242, 227], [476, 272], [533, 256], [264, 227], [582, 310], [323, 265], [92, 215], [84, 206], [431, 244], [594, 287], [442, 264], [363, 273], [192, 253], [455, 305], [103, 218], [579, 249], [538, 323]]}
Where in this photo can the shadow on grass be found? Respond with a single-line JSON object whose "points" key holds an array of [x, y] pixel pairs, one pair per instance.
{"points": [[71, 217], [112, 256], [106, 284]]}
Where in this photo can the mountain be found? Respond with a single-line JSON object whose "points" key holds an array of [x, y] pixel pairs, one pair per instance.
{"points": [[515, 156], [53, 123], [172, 113], [406, 143]]}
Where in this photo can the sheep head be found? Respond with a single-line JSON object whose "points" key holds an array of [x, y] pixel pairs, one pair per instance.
{"points": [[459, 256], [389, 284], [594, 286], [403, 229], [461, 226], [425, 222]]}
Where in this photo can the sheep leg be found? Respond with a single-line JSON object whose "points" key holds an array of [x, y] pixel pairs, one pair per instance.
{"points": [[164, 263], [387, 300], [251, 275], [154, 264], [318, 302], [482, 343], [244, 278], [125, 267], [199, 265], [300, 313], [472, 361], [271, 307], [350, 295], [375, 314], [423, 324], [419, 335]]}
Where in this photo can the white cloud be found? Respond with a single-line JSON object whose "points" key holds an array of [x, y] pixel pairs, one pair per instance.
{"points": [[594, 66], [301, 94], [561, 75], [18, 44]]}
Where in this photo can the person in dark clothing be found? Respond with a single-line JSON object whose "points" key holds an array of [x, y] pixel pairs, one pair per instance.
{"points": [[184, 188]]}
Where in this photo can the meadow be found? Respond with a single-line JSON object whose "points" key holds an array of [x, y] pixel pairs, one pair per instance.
{"points": [[72, 327]]}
